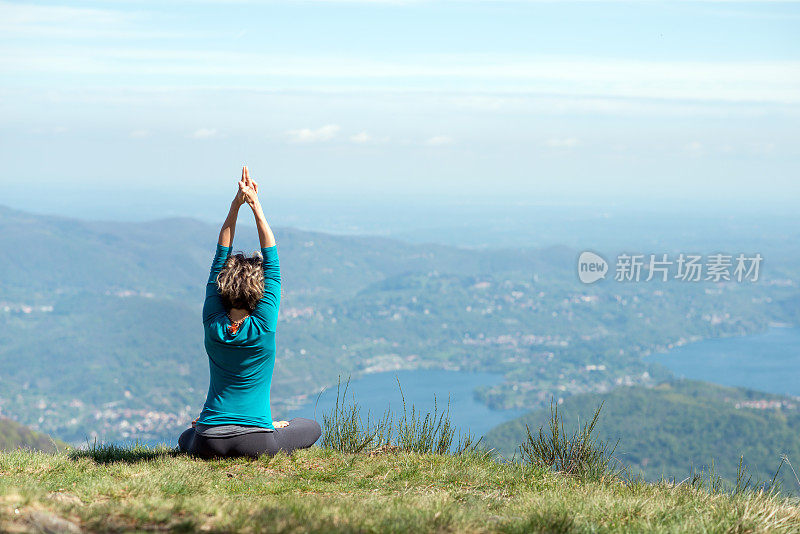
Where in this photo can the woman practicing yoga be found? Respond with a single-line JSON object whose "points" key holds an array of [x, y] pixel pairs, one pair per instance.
{"points": [[239, 317]]}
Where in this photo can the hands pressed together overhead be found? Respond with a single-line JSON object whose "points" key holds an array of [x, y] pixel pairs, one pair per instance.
{"points": [[247, 194], [248, 189]]}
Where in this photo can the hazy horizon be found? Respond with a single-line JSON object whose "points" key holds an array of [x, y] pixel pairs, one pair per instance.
{"points": [[476, 223]]}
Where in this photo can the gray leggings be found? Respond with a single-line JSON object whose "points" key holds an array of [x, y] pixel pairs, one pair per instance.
{"points": [[300, 434]]}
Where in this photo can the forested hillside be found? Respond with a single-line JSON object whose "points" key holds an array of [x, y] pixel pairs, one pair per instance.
{"points": [[15, 436], [169, 258], [106, 318], [681, 425]]}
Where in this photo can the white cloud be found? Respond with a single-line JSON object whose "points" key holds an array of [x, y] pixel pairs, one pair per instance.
{"points": [[562, 142], [361, 138], [139, 134], [365, 138], [481, 102], [762, 149], [307, 135], [566, 76], [204, 133], [439, 140], [695, 147], [26, 13], [50, 21], [52, 130]]}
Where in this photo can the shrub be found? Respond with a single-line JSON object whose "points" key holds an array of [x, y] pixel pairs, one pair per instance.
{"points": [[580, 454], [708, 480], [346, 430]]}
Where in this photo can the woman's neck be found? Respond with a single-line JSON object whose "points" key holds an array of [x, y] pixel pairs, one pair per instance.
{"points": [[237, 314]]}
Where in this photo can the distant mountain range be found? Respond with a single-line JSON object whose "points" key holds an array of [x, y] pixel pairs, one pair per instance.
{"points": [[170, 258], [678, 426], [100, 321], [100, 332]]}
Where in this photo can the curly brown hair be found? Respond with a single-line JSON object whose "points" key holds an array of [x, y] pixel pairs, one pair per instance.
{"points": [[241, 281]]}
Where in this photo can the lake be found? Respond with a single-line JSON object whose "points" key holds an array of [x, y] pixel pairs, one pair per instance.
{"points": [[768, 362], [378, 392]]}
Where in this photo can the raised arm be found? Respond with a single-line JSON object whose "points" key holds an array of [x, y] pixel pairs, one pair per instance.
{"points": [[213, 304], [229, 226], [267, 308]]}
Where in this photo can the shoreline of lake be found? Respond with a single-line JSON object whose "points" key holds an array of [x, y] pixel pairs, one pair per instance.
{"points": [[767, 361]]}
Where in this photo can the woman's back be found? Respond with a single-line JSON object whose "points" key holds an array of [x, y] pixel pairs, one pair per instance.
{"points": [[241, 360]]}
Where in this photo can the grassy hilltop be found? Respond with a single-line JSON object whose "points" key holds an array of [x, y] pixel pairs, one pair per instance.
{"points": [[405, 472], [321, 490]]}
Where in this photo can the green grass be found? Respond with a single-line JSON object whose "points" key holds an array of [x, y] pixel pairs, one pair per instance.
{"points": [[321, 490], [364, 481], [347, 429]]}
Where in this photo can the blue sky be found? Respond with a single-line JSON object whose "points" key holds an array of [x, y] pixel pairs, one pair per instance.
{"points": [[541, 101]]}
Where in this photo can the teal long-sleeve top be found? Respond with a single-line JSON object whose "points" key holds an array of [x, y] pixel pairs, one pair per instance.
{"points": [[241, 364]]}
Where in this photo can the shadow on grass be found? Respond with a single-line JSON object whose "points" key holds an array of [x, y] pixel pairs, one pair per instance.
{"points": [[110, 453]]}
